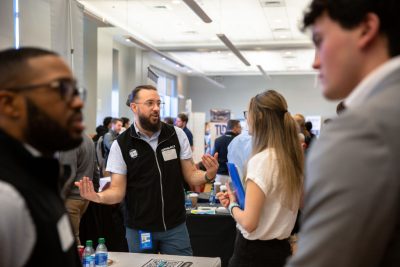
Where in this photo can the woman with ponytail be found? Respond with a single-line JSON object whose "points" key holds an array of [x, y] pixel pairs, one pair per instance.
{"points": [[274, 182]]}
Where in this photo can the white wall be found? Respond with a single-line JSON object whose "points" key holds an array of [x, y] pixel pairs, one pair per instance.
{"points": [[104, 73], [46, 24], [90, 73], [127, 68], [35, 29], [298, 90], [6, 24]]}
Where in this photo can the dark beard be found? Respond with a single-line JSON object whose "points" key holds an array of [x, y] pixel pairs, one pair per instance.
{"points": [[45, 134], [148, 126]]}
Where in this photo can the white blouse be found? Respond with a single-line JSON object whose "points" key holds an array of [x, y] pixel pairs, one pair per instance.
{"points": [[276, 221]]}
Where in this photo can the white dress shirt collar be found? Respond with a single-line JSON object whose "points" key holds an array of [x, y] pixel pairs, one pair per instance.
{"points": [[368, 84], [35, 153]]}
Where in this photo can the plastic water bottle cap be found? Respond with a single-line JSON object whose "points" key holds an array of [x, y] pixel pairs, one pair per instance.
{"points": [[102, 240], [89, 243]]}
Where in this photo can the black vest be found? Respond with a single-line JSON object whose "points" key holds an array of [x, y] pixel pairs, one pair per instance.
{"points": [[36, 179], [154, 199]]}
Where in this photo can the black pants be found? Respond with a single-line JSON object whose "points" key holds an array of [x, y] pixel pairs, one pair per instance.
{"points": [[263, 253]]}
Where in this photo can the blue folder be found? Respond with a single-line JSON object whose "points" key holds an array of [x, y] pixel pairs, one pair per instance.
{"points": [[240, 194]]}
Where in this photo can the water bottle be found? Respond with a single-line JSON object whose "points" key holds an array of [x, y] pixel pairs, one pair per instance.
{"points": [[188, 201], [212, 196], [101, 254], [88, 254]]}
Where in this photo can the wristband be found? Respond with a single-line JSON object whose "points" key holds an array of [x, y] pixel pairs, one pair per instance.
{"points": [[232, 205], [208, 180]]}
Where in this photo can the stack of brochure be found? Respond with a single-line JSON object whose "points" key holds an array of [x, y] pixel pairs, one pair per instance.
{"points": [[204, 210]]}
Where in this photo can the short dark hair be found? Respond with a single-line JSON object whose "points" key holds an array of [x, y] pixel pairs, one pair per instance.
{"points": [[13, 63], [308, 125], [115, 120], [232, 124], [169, 120], [133, 95], [350, 13], [106, 121], [125, 120], [183, 117]]}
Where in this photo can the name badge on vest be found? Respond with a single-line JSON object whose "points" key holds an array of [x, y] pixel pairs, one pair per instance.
{"points": [[169, 153], [145, 240]]}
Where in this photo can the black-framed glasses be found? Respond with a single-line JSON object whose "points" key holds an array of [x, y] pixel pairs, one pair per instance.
{"points": [[152, 103], [245, 114], [66, 87]]}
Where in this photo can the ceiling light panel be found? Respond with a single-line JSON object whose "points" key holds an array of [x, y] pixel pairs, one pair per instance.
{"points": [[243, 21], [270, 60], [272, 3], [295, 11], [212, 63], [286, 18], [194, 6], [169, 26], [233, 48]]}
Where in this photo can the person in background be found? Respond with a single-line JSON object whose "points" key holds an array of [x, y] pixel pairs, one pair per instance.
{"points": [[125, 124], [274, 181], [303, 144], [207, 138], [169, 120], [40, 113], [301, 121], [352, 190], [239, 150], [82, 162], [149, 164], [309, 127], [101, 130], [181, 121], [98, 140], [233, 128], [111, 136]]}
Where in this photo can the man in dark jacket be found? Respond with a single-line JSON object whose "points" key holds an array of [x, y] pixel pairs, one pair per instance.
{"points": [[181, 122], [40, 113], [233, 129]]}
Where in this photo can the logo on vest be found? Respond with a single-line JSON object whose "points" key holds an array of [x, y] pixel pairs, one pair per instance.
{"points": [[133, 153]]}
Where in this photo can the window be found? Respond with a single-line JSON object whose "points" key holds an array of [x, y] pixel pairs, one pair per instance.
{"points": [[166, 85], [115, 85]]}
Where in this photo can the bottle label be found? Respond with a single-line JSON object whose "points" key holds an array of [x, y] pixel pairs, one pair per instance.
{"points": [[212, 198], [88, 261], [188, 202], [101, 259]]}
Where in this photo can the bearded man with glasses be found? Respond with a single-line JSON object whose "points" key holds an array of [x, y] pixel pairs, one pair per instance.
{"points": [[149, 163], [40, 113]]}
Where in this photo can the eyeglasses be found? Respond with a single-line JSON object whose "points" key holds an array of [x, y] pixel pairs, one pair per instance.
{"points": [[152, 103], [66, 87], [245, 114]]}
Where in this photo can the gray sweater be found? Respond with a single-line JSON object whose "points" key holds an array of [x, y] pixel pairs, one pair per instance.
{"points": [[82, 161]]}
